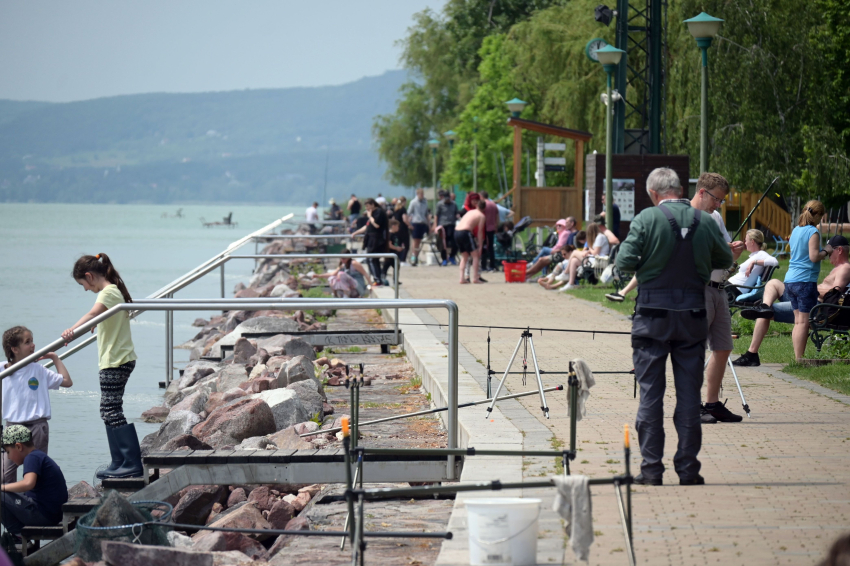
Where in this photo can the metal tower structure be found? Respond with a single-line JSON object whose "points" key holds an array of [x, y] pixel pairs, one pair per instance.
{"points": [[640, 121]]}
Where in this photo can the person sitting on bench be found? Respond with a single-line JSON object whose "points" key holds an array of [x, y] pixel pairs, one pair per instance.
{"points": [[37, 499], [782, 310], [751, 270]]}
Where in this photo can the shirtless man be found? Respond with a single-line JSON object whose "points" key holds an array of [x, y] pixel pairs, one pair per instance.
{"points": [[774, 306], [471, 223]]}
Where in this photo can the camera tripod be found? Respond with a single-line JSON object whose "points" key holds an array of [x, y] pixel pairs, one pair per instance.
{"points": [[525, 341]]}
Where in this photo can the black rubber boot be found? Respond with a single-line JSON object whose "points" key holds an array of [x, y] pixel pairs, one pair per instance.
{"points": [[117, 458], [128, 445]]}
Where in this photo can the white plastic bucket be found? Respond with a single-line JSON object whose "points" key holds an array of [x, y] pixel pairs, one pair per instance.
{"points": [[503, 531]]}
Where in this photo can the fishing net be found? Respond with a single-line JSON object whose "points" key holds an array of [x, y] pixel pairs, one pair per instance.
{"points": [[117, 519]]}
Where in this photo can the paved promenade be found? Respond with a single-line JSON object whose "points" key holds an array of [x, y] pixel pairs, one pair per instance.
{"points": [[778, 484]]}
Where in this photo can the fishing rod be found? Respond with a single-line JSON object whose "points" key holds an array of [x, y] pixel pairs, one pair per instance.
{"points": [[747, 219]]}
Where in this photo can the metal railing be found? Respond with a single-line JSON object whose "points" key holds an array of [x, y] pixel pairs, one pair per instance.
{"points": [[171, 305], [188, 277]]}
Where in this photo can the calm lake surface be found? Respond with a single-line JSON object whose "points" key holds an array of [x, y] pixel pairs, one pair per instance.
{"points": [[41, 242]]}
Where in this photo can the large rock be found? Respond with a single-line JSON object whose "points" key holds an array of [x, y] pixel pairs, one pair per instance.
{"points": [[178, 540], [194, 402], [177, 423], [285, 406], [258, 324], [297, 369], [275, 344], [243, 349], [220, 541], [281, 513], [308, 393], [217, 399], [233, 423], [298, 347], [262, 498], [256, 443], [245, 516], [172, 397], [155, 414], [236, 496], [82, 490], [185, 441], [127, 554], [196, 371], [230, 377], [288, 439], [195, 506], [295, 524]]}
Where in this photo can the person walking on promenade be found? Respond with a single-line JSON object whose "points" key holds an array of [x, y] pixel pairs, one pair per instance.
{"points": [[419, 220], [376, 236], [26, 400], [491, 223], [672, 247], [710, 193], [469, 245], [400, 214], [445, 218], [116, 360], [353, 207]]}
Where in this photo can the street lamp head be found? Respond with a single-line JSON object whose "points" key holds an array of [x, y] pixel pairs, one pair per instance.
{"points": [[609, 56], [450, 135], [515, 105], [704, 27], [433, 143]]}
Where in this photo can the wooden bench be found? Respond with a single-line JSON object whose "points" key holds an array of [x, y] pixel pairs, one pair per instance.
{"points": [[38, 534]]}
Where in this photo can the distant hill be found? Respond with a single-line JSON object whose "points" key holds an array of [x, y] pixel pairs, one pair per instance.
{"points": [[265, 145]]}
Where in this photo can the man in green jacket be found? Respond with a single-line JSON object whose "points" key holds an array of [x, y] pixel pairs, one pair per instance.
{"points": [[672, 248]]}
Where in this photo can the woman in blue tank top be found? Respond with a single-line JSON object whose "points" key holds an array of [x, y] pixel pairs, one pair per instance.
{"points": [[801, 281]]}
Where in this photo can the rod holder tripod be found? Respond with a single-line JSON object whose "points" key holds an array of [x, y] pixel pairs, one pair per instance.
{"points": [[526, 341]]}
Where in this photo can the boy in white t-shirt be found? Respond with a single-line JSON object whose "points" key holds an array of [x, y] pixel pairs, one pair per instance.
{"points": [[25, 393]]}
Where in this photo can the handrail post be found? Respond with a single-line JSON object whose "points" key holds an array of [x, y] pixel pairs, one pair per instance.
{"points": [[453, 386], [395, 284], [169, 344]]}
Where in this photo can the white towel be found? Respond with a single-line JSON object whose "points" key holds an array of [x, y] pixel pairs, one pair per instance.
{"points": [[572, 503], [585, 382]]}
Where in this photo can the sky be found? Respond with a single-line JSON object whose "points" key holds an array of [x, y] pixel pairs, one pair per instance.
{"points": [[64, 50]]}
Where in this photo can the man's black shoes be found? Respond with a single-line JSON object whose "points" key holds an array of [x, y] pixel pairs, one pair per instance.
{"points": [[749, 359], [643, 480], [719, 411], [759, 310], [697, 480]]}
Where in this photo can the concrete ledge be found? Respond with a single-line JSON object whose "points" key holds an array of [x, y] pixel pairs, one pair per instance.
{"points": [[426, 348]]}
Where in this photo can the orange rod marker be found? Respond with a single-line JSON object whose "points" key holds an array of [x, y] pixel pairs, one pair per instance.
{"points": [[626, 433], [345, 431]]}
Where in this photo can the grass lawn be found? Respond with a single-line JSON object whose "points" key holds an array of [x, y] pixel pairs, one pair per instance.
{"points": [[776, 347]]}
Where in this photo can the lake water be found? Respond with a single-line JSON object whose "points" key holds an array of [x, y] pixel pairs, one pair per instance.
{"points": [[41, 242]]}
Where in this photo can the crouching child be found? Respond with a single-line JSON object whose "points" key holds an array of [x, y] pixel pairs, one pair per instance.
{"points": [[37, 499]]}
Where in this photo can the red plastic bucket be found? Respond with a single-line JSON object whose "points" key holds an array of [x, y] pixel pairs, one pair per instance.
{"points": [[515, 272]]}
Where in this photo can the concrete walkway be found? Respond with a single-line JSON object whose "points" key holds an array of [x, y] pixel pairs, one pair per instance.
{"points": [[778, 484]]}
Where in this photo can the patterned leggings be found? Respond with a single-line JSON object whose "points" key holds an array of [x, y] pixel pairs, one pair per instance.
{"points": [[112, 383]]}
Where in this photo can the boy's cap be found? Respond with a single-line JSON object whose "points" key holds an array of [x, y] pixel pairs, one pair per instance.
{"points": [[16, 433], [838, 240]]}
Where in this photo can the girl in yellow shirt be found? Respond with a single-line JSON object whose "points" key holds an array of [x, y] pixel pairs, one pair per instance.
{"points": [[116, 360]]}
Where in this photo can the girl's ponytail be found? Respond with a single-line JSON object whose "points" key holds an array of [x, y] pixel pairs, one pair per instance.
{"points": [[101, 265]]}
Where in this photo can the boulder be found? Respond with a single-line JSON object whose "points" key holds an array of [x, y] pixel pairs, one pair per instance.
{"points": [[276, 362], [257, 371], [280, 514], [243, 349], [194, 402], [216, 510], [233, 423], [305, 427], [262, 498], [246, 516], [297, 504], [178, 540], [230, 377], [185, 441], [219, 541], [196, 371], [285, 406], [295, 524], [217, 400], [236, 496], [155, 414], [298, 347], [297, 369], [194, 507], [200, 322], [177, 423], [323, 361], [302, 499], [247, 293], [127, 554], [327, 409], [313, 490], [82, 490], [261, 357], [256, 443], [308, 393], [265, 324], [288, 439], [260, 385]]}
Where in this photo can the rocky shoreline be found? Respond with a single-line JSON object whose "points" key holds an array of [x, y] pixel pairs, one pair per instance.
{"points": [[262, 394]]}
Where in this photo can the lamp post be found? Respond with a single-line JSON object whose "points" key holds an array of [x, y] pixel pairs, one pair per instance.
{"points": [[475, 155], [704, 27], [434, 144], [610, 57]]}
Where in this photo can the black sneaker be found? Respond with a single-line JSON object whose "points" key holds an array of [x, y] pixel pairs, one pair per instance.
{"points": [[758, 311], [642, 480], [748, 359], [698, 480], [705, 417], [719, 411]]}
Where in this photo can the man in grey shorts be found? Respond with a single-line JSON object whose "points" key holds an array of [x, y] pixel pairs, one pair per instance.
{"points": [[711, 191]]}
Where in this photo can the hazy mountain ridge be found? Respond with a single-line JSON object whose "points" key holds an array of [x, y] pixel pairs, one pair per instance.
{"points": [[265, 145]]}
